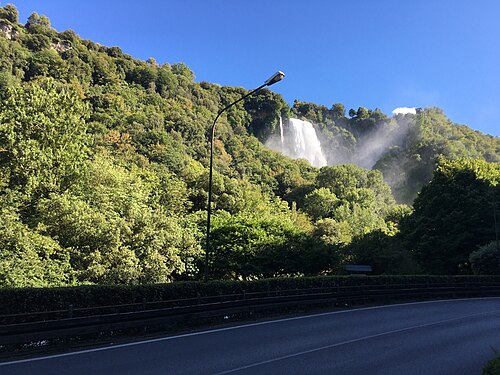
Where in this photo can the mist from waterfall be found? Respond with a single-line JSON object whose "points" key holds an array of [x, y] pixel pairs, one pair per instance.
{"points": [[298, 139], [384, 139]]}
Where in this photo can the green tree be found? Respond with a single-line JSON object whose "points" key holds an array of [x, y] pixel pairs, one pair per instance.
{"points": [[384, 253], [37, 42], [28, 258], [321, 203], [44, 21], [35, 19], [249, 247], [115, 228], [453, 215], [333, 232], [183, 70], [104, 71], [43, 138], [342, 179], [486, 260], [45, 63], [356, 200], [362, 113], [13, 58], [10, 13], [338, 110]]}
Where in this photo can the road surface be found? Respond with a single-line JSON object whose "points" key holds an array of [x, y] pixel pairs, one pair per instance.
{"points": [[437, 337]]}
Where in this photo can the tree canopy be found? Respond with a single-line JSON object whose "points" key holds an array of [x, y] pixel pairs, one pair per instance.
{"points": [[104, 165], [453, 215]]}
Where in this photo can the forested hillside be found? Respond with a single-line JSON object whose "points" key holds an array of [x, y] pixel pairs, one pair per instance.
{"points": [[104, 175], [404, 148]]}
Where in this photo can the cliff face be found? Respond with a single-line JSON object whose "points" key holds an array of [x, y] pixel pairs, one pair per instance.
{"points": [[9, 32], [61, 46]]}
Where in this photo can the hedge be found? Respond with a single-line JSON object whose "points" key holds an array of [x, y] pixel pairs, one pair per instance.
{"points": [[28, 300]]}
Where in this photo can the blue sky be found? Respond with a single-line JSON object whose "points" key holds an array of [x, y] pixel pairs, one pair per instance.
{"points": [[384, 53]]}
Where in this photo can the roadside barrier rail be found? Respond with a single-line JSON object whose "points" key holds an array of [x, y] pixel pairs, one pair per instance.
{"points": [[72, 322]]}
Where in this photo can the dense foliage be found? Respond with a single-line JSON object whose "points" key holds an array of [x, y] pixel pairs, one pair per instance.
{"points": [[493, 366], [485, 260], [104, 174], [14, 300], [454, 215]]}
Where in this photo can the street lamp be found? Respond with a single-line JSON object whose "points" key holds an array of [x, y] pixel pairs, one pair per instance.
{"points": [[276, 77]]}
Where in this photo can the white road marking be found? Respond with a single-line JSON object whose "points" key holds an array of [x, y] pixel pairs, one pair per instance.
{"points": [[350, 342], [238, 327]]}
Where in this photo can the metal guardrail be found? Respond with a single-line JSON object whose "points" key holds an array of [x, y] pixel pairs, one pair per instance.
{"points": [[65, 323]]}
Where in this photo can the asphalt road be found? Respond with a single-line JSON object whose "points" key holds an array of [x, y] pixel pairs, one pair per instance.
{"points": [[439, 337]]}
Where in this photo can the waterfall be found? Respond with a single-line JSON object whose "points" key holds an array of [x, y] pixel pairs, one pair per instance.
{"points": [[298, 139], [303, 143], [281, 135]]}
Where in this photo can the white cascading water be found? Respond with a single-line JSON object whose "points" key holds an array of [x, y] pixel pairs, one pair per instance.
{"points": [[281, 134], [303, 143]]}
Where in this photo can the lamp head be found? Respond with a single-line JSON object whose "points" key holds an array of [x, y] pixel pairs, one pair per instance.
{"points": [[276, 77]]}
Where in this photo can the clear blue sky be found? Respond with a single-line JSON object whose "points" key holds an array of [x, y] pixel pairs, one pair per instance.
{"points": [[384, 53]]}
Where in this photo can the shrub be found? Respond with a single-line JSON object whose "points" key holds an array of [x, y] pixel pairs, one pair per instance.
{"points": [[493, 366], [485, 261], [23, 300]]}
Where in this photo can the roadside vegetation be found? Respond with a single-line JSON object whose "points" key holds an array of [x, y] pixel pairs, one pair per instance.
{"points": [[493, 366]]}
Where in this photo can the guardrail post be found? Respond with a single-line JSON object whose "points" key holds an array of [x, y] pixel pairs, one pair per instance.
{"points": [[70, 311], [145, 328]]}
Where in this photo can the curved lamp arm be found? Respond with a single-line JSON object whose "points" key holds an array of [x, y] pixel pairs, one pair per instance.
{"points": [[276, 77]]}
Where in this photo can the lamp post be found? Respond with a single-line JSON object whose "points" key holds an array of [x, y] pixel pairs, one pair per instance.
{"points": [[276, 77]]}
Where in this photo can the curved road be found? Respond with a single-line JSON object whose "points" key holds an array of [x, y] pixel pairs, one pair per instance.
{"points": [[437, 337]]}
